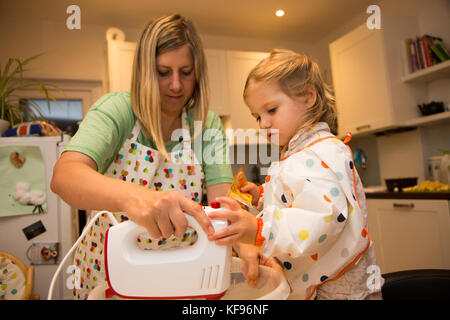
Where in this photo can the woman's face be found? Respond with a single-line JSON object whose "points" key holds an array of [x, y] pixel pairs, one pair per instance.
{"points": [[176, 78]]}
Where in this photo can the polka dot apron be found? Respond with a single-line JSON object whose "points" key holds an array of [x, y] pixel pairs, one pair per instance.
{"points": [[136, 163]]}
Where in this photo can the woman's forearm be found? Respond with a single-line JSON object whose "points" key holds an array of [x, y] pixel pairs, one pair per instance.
{"points": [[82, 187], [77, 182]]}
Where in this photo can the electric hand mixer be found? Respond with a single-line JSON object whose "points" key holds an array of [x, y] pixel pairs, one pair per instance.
{"points": [[201, 270]]}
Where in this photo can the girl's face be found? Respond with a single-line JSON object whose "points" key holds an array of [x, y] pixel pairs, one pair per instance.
{"points": [[275, 111], [176, 78]]}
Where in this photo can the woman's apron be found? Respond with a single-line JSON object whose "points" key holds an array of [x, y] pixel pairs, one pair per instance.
{"points": [[136, 163]]}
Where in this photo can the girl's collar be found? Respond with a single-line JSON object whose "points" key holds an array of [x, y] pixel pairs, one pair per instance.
{"points": [[305, 136]]}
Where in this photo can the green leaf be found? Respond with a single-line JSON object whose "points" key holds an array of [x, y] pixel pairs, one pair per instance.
{"points": [[11, 80]]}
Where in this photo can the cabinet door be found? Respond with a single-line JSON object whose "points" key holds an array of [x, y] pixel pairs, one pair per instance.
{"points": [[120, 64], [361, 81], [410, 234], [218, 85], [240, 63]]}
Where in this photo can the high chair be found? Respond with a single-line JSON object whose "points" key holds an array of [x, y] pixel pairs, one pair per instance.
{"points": [[16, 279]]}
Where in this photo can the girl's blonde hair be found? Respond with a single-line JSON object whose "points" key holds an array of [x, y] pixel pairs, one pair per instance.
{"points": [[160, 36], [293, 72]]}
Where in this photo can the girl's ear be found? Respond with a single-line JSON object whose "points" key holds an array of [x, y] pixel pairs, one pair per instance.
{"points": [[310, 95]]}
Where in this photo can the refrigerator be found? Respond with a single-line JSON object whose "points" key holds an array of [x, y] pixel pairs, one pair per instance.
{"points": [[54, 222]]}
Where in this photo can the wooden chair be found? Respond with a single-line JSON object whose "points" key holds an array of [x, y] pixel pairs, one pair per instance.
{"points": [[28, 273]]}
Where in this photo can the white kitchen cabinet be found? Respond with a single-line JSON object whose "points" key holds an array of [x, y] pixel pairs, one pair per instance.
{"points": [[218, 85], [240, 63], [410, 233], [120, 64], [367, 71]]}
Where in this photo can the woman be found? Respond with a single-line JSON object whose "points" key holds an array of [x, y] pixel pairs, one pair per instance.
{"points": [[128, 136]]}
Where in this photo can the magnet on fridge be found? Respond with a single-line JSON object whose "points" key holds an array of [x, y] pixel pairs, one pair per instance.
{"points": [[43, 253], [33, 230], [17, 159]]}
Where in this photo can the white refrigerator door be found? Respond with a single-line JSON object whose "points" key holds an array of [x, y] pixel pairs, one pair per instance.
{"points": [[57, 221]]}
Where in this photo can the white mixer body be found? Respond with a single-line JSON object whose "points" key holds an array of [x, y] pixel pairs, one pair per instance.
{"points": [[201, 270]]}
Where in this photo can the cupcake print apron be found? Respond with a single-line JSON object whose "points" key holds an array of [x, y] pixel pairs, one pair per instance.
{"points": [[136, 163]]}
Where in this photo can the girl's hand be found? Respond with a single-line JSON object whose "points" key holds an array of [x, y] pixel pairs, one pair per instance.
{"points": [[162, 212], [253, 258], [253, 189], [242, 226]]}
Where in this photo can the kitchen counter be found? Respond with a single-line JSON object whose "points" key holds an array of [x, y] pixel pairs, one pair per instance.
{"points": [[408, 195]]}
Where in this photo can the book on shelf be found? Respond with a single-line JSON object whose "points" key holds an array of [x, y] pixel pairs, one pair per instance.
{"points": [[423, 52]]}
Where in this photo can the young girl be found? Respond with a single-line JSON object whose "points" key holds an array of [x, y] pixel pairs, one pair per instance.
{"points": [[314, 215]]}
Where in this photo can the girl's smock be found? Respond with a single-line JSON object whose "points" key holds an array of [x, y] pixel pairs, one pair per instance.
{"points": [[315, 218]]}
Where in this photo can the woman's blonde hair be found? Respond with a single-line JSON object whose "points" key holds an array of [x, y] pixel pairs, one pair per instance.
{"points": [[293, 72], [160, 36]]}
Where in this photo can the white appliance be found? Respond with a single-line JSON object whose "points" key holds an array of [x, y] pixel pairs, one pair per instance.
{"points": [[200, 270], [59, 221]]}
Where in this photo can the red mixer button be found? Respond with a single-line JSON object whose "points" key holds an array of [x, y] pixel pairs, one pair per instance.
{"points": [[215, 205]]}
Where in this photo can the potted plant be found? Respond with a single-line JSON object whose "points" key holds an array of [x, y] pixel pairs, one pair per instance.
{"points": [[12, 109]]}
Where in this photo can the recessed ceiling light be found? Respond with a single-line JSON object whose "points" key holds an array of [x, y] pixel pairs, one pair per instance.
{"points": [[279, 13]]}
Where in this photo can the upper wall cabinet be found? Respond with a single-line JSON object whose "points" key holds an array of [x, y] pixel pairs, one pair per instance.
{"points": [[240, 63], [120, 64], [218, 85], [367, 70]]}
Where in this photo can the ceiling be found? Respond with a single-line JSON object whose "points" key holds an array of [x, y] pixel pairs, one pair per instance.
{"points": [[305, 21]]}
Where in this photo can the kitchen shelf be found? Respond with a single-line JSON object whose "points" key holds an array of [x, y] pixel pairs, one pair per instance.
{"points": [[428, 120], [424, 121], [438, 71]]}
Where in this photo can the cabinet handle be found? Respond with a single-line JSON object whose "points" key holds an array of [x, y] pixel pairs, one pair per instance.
{"points": [[367, 126], [404, 205]]}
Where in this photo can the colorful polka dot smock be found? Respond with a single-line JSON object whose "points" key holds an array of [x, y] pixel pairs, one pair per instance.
{"points": [[313, 219]]}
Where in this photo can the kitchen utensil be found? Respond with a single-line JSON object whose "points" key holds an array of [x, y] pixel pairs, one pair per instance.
{"points": [[434, 167], [444, 168], [197, 271], [271, 285], [396, 185], [200, 270], [431, 108]]}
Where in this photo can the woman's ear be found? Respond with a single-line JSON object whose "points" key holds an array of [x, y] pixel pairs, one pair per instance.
{"points": [[310, 95]]}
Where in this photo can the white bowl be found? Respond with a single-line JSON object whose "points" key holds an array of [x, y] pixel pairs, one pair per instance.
{"points": [[271, 285]]}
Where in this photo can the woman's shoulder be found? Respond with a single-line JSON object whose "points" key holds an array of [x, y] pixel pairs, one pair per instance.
{"points": [[121, 98], [212, 119], [115, 105]]}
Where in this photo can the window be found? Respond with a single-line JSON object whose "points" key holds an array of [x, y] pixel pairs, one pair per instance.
{"points": [[66, 114]]}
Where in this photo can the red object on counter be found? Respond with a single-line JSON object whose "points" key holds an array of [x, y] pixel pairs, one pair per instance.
{"points": [[215, 205]]}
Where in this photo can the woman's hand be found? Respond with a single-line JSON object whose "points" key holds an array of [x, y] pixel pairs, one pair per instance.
{"points": [[242, 224], [253, 189], [161, 212], [77, 182], [252, 257]]}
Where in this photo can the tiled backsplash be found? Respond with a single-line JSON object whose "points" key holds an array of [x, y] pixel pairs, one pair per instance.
{"points": [[248, 157], [402, 154]]}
